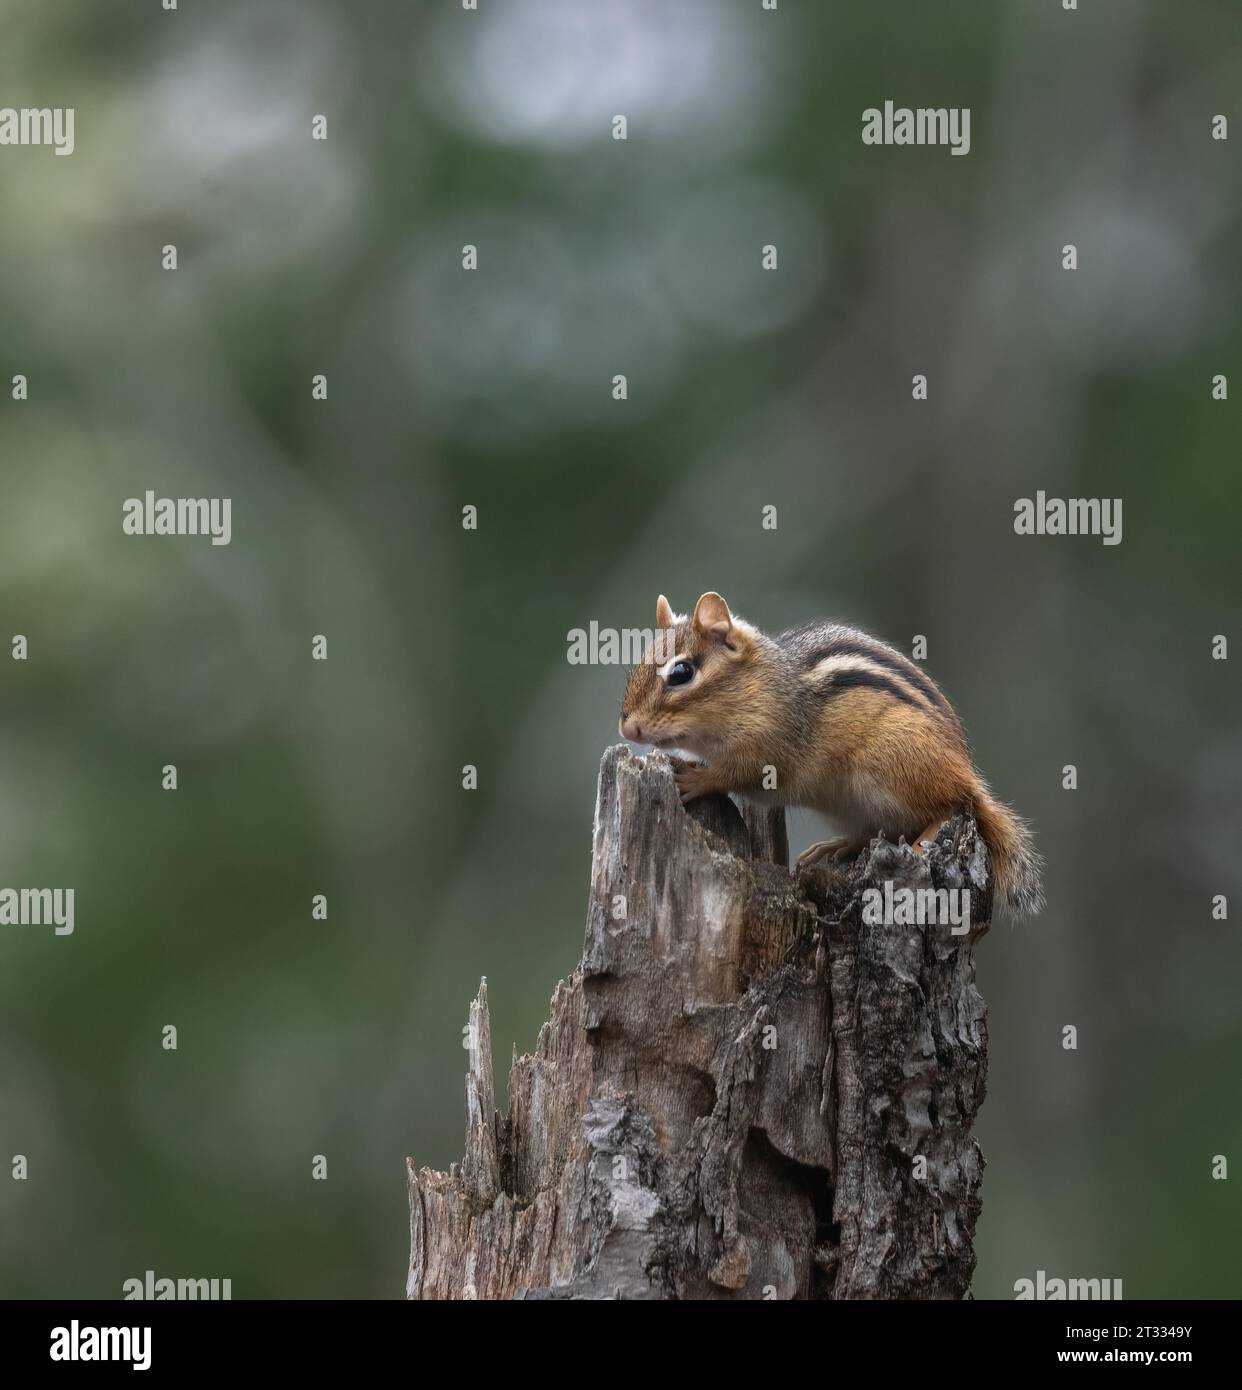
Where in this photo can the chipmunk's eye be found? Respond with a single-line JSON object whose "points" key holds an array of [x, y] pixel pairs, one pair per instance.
{"points": [[680, 673]]}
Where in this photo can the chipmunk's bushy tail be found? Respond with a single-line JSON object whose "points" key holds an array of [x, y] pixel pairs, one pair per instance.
{"points": [[1015, 862]]}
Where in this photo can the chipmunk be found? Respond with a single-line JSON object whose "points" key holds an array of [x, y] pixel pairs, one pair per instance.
{"points": [[825, 717]]}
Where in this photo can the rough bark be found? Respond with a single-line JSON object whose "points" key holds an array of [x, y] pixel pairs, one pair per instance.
{"points": [[745, 1089]]}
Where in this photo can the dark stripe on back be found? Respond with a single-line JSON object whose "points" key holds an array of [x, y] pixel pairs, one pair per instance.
{"points": [[892, 661], [867, 680]]}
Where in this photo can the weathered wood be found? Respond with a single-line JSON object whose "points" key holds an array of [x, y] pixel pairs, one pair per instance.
{"points": [[744, 1090]]}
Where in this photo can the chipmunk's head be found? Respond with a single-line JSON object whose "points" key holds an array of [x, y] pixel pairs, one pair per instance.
{"points": [[692, 683]]}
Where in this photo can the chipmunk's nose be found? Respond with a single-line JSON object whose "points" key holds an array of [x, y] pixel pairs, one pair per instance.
{"points": [[632, 729]]}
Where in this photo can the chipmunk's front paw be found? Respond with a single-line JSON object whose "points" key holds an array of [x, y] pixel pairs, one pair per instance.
{"points": [[693, 780], [835, 850], [820, 850]]}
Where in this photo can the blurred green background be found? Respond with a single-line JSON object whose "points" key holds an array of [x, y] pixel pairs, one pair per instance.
{"points": [[447, 647]]}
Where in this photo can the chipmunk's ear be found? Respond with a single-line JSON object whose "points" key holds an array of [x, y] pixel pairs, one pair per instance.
{"points": [[664, 614], [712, 617]]}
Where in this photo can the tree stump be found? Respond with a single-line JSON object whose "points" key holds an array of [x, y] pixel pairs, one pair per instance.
{"points": [[747, 1088]]}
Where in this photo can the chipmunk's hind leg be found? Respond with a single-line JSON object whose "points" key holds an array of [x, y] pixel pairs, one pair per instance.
{"points": [[929, 834]]}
